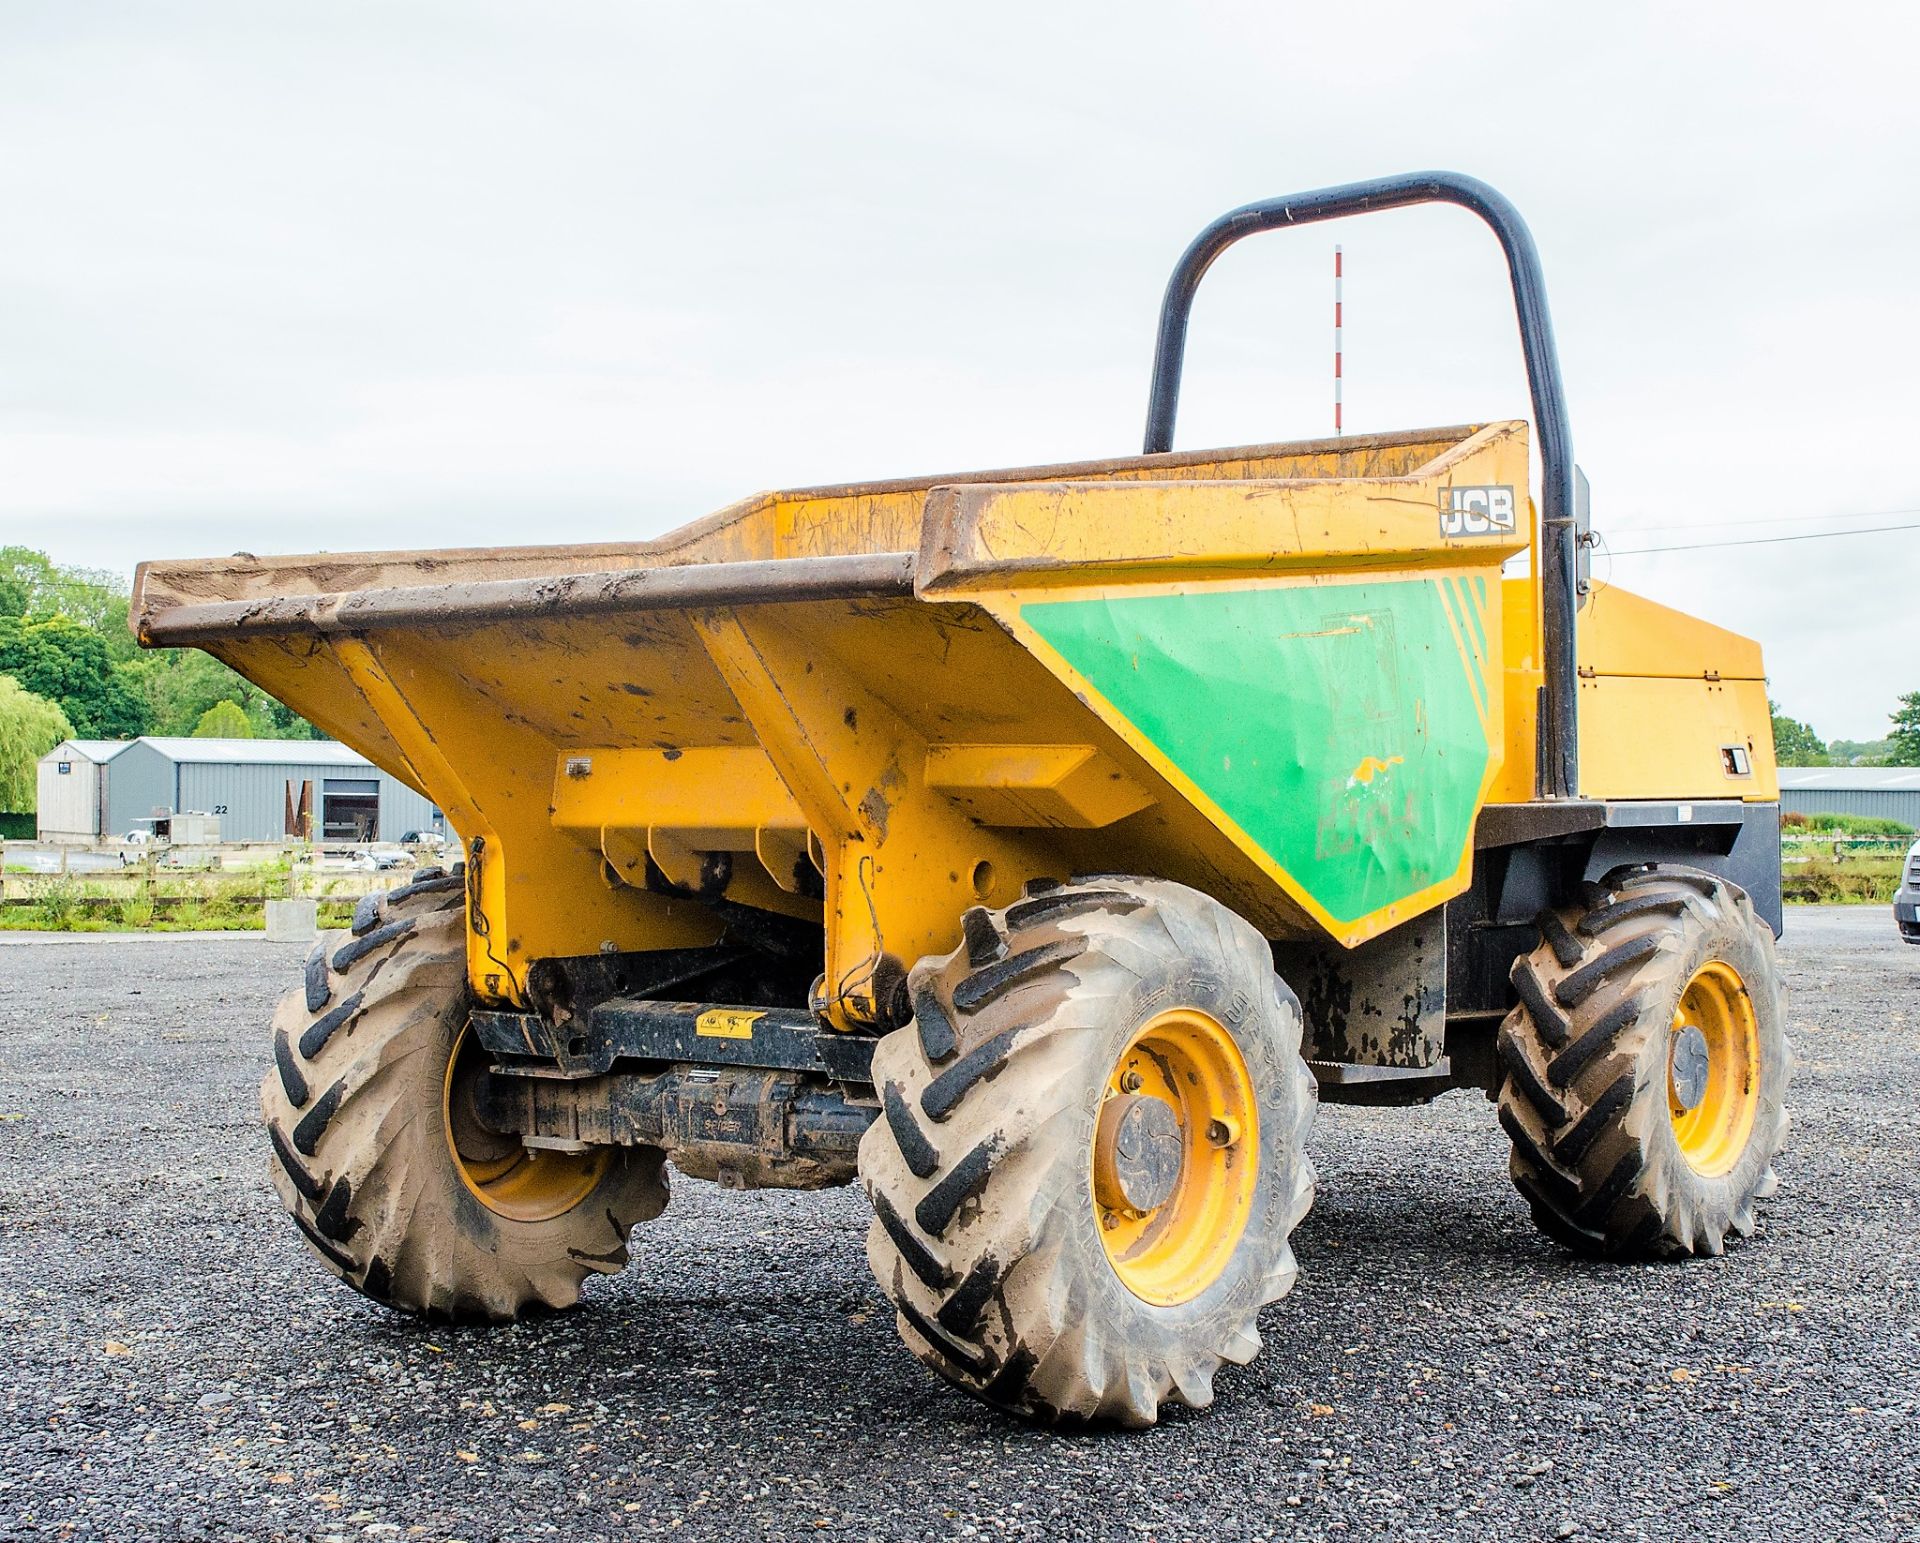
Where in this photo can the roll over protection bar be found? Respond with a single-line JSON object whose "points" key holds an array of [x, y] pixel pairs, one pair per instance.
{"points": [[1557, 772]]}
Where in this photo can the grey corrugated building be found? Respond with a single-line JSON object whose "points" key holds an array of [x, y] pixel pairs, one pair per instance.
{"points": [[1883, 792], [261, 789]]}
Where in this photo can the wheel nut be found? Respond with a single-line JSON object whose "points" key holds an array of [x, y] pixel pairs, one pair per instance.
{"points": [[1223, 1132], [1130, 1082]]}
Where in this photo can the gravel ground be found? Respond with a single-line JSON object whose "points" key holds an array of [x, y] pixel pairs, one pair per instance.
{"points": [[177, 1368]]}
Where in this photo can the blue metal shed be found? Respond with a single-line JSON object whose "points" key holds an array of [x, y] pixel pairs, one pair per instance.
{"points": [[255, 785]]}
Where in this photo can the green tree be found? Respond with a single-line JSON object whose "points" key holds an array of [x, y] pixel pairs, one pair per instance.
{"points": [[285, 723], [68, 663], [93, 597], [182, 683], [135, 691], [30, 726], [224, 720], [1903, 744], [1794, 743], [1859, 752]]}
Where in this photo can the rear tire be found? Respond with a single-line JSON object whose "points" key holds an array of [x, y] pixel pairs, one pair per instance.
{"points": [[1092, 1151], [1646, 1067], [396, 1187]]}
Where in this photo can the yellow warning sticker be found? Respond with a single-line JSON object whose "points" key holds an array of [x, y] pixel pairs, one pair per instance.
{"points": [[726, 1023]]}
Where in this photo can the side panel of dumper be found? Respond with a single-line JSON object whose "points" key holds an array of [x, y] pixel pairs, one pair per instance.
{"points": [[1345, 731]]}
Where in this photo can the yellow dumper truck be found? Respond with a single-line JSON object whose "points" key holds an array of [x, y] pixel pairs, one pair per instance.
{"points": [[1035, 847]]}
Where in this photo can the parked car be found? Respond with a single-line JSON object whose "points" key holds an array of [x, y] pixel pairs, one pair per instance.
{"points": [[426, 840], [379, 859], [1906, 899]]}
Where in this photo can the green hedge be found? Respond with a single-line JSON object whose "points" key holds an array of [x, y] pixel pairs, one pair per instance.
{"points": [[1794, 823]]}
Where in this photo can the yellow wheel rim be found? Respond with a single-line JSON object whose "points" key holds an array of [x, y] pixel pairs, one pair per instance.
{"points": [[512, 1180], [1175, 1157], [1713, 1069]]}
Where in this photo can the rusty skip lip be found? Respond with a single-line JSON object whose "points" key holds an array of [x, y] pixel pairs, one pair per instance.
{"points": [[763, 582]]}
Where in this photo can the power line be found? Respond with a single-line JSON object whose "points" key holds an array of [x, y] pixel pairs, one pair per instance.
{"points": [[1774, 519], [1811, 535]]}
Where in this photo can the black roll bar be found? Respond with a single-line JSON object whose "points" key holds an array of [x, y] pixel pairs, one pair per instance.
{"points": [[1558, 773]]}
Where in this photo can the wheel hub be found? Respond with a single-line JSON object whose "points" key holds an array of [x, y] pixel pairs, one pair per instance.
{"points": [[1136, 1154], [1687, 1064]]}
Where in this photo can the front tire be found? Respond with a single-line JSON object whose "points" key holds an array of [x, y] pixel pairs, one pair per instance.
{"points": [[379, 1158], [1092, 1152], [1646, 1067]]}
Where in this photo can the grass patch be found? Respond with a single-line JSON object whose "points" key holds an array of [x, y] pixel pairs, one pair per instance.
{"points": [[27, 918], [1821, 879], [152, 896], [58, 904], [139, 911], [187, 902]]}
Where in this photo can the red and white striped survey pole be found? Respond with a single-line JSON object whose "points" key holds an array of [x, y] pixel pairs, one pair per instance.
{"points": [[1336, 340]]}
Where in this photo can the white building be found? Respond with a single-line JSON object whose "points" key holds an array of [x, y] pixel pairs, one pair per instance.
{"points": [[73, 788]]}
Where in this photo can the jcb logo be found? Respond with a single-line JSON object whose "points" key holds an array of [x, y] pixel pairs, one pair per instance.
{"points": [[1476, 512]]}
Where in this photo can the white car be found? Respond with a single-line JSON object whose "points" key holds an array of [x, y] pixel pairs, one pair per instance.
{"points": [[379, 859], [1906, 899]]}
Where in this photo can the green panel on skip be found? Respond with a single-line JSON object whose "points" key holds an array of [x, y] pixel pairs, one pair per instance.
{"points": [[1337, 725]]}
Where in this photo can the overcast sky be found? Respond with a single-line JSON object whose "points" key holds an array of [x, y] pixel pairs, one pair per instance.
{"points": [[285, 276]]}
